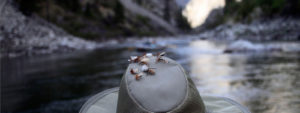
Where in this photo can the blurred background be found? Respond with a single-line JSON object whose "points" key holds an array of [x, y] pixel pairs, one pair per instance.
{"points": [[55, 54]]}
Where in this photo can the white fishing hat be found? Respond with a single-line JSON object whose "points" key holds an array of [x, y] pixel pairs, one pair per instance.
{"points": [[157, 84]]}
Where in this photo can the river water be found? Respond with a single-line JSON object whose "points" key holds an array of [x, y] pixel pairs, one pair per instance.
{"points": [[263, 79]]}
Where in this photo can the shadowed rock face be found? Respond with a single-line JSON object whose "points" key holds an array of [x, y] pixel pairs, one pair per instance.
{"points": [[160, 23], [213, 20], [99, 19], [166, 9]]}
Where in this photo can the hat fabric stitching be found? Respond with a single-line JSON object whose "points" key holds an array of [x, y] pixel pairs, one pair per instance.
{"points": [[96, 97], [133, 99], [234, 103], [187, 88], [176, 107]]}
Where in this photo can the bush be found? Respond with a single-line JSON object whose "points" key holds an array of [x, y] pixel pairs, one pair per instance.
{"points": [[241, 10]]}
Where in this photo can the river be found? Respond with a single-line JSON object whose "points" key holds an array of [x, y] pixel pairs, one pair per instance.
{"points": [[265, 80]]}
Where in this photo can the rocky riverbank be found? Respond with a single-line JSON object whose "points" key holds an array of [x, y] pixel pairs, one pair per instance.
{"points": [[22, 35], [277, 29]]}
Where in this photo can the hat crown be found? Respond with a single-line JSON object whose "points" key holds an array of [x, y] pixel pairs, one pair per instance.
{"points": [[166, 89]]}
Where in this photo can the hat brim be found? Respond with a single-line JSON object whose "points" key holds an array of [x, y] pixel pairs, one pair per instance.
{"points": [[106, 102]]}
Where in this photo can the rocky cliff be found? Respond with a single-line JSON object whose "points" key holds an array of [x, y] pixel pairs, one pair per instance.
{"points": [[100, 19], [47, 26]]}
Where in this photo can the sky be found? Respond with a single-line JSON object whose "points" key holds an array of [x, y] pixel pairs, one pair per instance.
{"points": [[196, 11]]}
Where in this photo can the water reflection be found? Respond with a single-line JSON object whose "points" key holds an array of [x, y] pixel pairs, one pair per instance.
{"points": [[209, 65], [34, 83], [265, 82]]}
